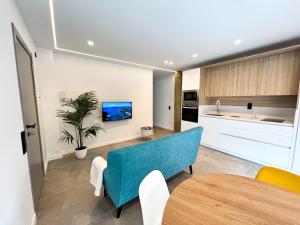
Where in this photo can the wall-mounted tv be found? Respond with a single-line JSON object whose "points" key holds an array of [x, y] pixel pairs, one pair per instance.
{"points": [[113, 111]]}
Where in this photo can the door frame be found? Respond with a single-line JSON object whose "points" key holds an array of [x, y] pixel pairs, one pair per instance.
{"points": [[17, 37]]}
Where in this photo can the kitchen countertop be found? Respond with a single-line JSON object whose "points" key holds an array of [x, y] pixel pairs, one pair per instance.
{"points": [[288, 121]]}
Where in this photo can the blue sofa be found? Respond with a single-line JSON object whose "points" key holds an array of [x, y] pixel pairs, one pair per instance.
{"points": [[127, 167]]}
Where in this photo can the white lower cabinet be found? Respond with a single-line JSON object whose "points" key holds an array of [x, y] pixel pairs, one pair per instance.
{"points": [[266, 133], [210, 135], [262, 153], [185, 125], [296, 162], [267, 144]]}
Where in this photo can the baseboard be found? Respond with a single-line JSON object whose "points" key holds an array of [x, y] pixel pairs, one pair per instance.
{"points": [[34, 220], [163, 127], [100, 144], [55, 156]]}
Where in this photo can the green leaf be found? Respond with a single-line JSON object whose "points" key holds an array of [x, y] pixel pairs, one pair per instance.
{"points": [[79, 109], [67, 137], [92, 131]]}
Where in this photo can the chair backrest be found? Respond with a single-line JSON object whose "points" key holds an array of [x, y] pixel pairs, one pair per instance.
{"points": [[154, 194], [279, 178]]}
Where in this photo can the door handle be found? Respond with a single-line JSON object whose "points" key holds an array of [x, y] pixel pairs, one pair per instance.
{"points": [[30, 126], [30, 134], [24, 144]]}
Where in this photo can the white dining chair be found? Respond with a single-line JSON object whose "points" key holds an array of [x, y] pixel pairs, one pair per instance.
{"points": [[154, 194]]}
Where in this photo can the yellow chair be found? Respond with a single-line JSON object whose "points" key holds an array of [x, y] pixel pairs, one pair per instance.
{"points": [[279, 178]]}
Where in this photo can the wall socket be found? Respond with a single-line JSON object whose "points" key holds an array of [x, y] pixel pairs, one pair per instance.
{"points": [[249, 105]]}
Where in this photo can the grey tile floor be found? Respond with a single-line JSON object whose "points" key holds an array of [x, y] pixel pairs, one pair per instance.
{"points": [[68, 198]]}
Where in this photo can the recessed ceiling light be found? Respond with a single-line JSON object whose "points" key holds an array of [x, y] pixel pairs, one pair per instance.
{"points": [[237, 42], [195, 55], [90, 43], [166, 61], [170, 63]]}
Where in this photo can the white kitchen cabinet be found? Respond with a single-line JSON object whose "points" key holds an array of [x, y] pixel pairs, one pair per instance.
{"points": [[265, 133], [267, 144], [191, 79], [185, 125], [210, 135], [296, 160], [296, 163], [259, 152]]}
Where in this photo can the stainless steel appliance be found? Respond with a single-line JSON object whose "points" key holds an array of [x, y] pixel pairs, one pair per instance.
{"points": [[190, 98], [190, 106]]}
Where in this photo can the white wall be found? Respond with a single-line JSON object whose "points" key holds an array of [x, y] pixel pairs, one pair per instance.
{"points": [[16, 206], [111, 82], [163, 97]]}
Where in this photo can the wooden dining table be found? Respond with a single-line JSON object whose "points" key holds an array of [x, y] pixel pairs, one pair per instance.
{"points": [[217, 199]]}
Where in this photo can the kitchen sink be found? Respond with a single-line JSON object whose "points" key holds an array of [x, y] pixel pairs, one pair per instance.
{"points": [[273, 120], [213, 114]]}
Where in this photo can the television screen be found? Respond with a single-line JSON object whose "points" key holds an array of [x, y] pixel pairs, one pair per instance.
{"points": [[112, 111]]}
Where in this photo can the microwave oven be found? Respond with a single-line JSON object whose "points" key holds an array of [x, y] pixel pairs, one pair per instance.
{"points": [[190, 96]]}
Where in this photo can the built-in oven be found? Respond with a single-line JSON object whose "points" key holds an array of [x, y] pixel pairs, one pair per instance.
{"points": [[190, 114], [190, 106]]}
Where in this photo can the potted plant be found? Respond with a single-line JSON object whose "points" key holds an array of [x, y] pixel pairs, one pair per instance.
{"points": [[81, 108]]}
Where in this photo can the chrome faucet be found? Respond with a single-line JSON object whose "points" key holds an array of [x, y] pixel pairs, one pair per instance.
{"points": [[218, 106]]}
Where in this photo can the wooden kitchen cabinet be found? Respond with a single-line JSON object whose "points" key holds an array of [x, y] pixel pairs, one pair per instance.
{"points": [[237, 79], [244, 78], [267, 76], [216, 81], [279, 74]]}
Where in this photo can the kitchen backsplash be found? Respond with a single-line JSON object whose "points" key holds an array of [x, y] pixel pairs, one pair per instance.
{"points": [[272, 111]]}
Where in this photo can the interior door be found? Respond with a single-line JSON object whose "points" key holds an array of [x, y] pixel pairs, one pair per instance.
{"points": [[31, 135]]}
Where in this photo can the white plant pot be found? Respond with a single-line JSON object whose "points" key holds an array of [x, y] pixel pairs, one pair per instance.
{"points": [[80, 154]]}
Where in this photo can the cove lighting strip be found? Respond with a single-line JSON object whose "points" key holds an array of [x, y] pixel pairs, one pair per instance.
{"points": [[91, 55]]}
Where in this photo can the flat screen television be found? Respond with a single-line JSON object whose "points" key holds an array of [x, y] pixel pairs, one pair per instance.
{"points": [[113, 111]]}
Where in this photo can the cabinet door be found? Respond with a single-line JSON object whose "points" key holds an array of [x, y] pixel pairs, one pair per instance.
{"points": [[223, 80], [259, 152], [191, 79], [186, 125], [210, 135], [243, 78], [237, 79], [217, 81], [209, 87], [279, 74], [249, 78], [233, 76], [296, 162], [260, 132]]}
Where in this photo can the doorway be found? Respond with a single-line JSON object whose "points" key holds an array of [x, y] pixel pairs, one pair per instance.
{"points": [[31, 140], [163, 99]]}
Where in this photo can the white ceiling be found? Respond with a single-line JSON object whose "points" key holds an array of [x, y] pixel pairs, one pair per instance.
{"points": [[152, 31]]}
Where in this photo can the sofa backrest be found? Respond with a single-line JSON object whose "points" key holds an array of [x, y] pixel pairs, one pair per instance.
{"points": [[128, 166]]}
